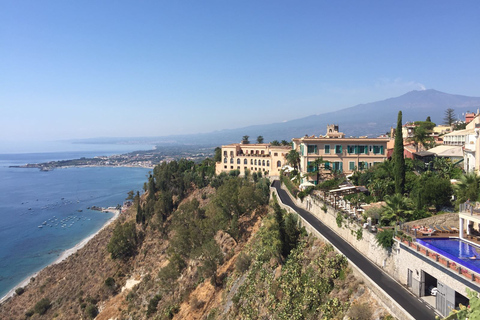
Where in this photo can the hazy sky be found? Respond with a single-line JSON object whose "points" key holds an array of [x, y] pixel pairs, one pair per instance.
{"points": [[79, 69]]}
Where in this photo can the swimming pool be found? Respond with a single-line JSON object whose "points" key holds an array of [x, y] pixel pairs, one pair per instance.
{"points": [[456, 250]]}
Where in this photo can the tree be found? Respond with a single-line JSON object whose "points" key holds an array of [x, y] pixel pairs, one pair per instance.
{"points": [[398, 158], [468, 188], [245, 139], [285, 143], [130, 195], [293, 158], [275, 143], [397, 209], [123, 242], [421, 136], [260, 139], [42, 306], [318, 164], [428, 119], [218, 154], [449, 117]]}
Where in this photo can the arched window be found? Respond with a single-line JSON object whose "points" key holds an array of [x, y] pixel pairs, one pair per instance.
{"points": [[255, 161], [238, 160], [268, 163], [251, 161], [231, 160], [279, 164], [225, 160], [245, 161], [263, 162]]}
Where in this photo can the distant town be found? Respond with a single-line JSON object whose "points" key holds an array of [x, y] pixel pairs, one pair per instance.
{"points": [[141, 159]]}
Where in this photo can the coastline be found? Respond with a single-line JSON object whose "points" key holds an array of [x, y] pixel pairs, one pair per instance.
{"points": [[64, 255]]}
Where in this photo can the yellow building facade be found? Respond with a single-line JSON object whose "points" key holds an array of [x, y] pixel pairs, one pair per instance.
{"points": [[262, 157]]}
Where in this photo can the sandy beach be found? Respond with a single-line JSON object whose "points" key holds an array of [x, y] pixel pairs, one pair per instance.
{"points": [[65, 254]]}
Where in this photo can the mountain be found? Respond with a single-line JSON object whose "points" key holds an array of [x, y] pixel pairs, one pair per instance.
{"points": [[370, 119]]}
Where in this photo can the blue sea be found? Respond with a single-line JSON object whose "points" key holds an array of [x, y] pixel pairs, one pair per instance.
{"points": [[57, 201]]}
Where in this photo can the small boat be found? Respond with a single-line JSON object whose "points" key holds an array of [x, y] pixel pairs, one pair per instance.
{"points": [[40, 226]]}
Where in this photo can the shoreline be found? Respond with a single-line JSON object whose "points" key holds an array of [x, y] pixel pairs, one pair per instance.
{"points": [[64, 255]]}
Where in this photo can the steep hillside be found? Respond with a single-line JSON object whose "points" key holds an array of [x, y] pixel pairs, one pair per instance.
{"points": [[198, 246]]}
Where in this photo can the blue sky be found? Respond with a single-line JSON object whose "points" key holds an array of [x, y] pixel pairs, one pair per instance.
{"points": [[80, 69]]}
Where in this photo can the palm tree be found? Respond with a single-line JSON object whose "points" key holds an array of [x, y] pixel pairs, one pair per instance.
{"points": [[245, 139], [421, 136], [468, 188], [260, 139], [275, 143], [397, 209], [285, 143], [318, 164], [293, 158]]}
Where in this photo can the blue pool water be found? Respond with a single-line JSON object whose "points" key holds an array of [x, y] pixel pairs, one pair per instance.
{"points": [[456, 250]]}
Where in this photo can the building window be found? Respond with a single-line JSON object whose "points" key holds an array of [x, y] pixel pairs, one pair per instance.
{"points": [[263, 152], [225, 160], [351, 149], [351, 165], [327, 149], [327, 165], [245, 161], [225, 153], [231, 160], [338, 166], [279, 164], [238, 167], [362, 165], [251, 161], [263, 163], [310, 166], [238, 160], [312, 148], [378, 150], [268, 163], [231, 153], [362, 149], [231, 167], [225, 167], [338, 148], [275, 154]]}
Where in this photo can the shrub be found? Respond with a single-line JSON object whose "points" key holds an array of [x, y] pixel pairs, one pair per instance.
{"points": [[42, 306], [152, 305], [360, 312], [123, 243], [19, 291], [243, 262], [339, 219], [385, 238], [359, 234], [29, 313], [324, 208], [91, 311], [110, 282]]}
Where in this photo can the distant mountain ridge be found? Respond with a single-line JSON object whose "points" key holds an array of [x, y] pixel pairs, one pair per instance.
{"points": [[369, 119]]}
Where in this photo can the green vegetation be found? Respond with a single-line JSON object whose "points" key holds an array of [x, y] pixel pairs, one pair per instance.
{"points": [[260, 139], [471, 312], [449, 117], [124, 241], [42, 306], [91, 311], [384, 238], [398, 158], [19, 291]]}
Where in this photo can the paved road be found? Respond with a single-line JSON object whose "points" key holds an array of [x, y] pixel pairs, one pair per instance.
{"points": [[416, 308]]}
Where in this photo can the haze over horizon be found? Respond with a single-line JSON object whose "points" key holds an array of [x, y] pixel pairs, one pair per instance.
{"points": [[119, 69]]}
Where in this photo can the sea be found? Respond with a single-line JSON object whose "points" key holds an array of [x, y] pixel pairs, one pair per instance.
{"points": [[43, 214]]}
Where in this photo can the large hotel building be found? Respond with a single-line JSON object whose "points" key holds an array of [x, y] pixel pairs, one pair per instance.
{"points": [[262, 157], [341, 154]]}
